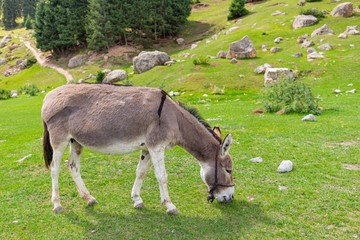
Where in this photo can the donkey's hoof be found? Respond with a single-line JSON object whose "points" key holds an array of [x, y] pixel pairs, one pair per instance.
{"points": [[173, 211], [139, 205], [92, 202], [57, 209]]}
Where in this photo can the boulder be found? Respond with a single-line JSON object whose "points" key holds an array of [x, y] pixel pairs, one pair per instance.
{"points": [[301, 3], [343, 10], [5, 40], [352, 30], [324, 30], [310, 50], [243, 48], [2, 61], [325, 47], [343, 35], [274, 74], [304, 21], [314, 55], [77, 61], [302, 38], [297, 55], [115, 76], [147, 60]]}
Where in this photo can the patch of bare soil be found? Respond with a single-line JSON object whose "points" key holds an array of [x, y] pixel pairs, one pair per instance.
{"points": [[343, 144], [352, 167], [200, 6], [119, 51]]}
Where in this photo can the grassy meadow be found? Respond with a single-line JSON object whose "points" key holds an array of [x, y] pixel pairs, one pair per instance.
{"points": [[319, 199]]}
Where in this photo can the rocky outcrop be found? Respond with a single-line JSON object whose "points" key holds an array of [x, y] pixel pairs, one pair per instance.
{"points": [[274, 74], [115, 76], [343, 10], [304, 21], [77, 61], [147, 60], [5, 40], [243, 48], [352, 30]]}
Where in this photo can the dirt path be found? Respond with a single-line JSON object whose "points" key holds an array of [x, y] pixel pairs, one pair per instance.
{"points": [[44, 63]]}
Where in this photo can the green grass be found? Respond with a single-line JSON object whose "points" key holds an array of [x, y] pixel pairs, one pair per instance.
{"points": [[321, 200]]}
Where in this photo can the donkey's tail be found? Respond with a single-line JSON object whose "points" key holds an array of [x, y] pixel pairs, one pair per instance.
{"points": [[47, 148]]}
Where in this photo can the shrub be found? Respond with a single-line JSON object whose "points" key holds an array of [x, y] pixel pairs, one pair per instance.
{"points": [[291, 96], [201, 60], [31, 61], [312, 11], [29, 89], [4, 94], [28, 23], [237, 9], [100, 77]]}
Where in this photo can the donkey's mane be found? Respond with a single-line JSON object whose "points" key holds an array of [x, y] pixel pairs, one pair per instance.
{"points": [[193, 111]]}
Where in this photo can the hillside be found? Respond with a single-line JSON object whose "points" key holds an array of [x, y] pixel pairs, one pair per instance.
{"points": [[318, 199]]}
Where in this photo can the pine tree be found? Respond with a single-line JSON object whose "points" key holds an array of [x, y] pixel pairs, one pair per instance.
{"points": [[9, 13], [95, 27], [237, 9], [28, 9]]}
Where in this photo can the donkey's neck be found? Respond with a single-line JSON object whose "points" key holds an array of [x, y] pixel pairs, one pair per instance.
{"points": [[197, 140]]}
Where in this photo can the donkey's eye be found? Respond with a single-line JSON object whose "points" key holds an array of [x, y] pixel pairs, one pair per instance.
{"points": [[228, 171]]}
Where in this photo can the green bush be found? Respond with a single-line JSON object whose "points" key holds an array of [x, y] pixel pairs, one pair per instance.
{"points": [[100, 77], [31, 61], [314, 12], [29, 89], [237, 9], [201, 60], [4, 94], [290, 96]]}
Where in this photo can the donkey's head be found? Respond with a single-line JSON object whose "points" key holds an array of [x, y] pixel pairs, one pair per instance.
{"points": [[218, 176]]}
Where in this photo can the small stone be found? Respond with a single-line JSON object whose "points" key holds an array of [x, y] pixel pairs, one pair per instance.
{"points": [[180, 41], [310, 118], [233, 60], [193, 46], [285, 166], [241, 75], [205, 95], [275, 49], [278, 40], [351, 91], [343, 35], [256, 160], [297, 55], [337, 91], [282, 188]]}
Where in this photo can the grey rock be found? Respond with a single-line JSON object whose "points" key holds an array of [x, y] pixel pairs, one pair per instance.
{"points": [[262, 69], [285, 166], [343, 10], [343, 36], [311, 50], [2, 61], [324, 30], [275, 49], [78, 60], [243, 48], [301, 3], [231, 30], [193, 46], [148, 60], [302, 38], [297, 55], [221, 54], [352, 30], [180, 41], [314, 55], [5, 40], [115, 76], [274, 74], [307, 43], [310, 118], [325, 47], [233, 60], [278, 40], [256, 160], [304, 21]]}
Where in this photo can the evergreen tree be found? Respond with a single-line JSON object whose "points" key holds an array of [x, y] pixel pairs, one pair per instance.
{"points": [[95, 27], [237, 9], [9, 13], [28, 9]]}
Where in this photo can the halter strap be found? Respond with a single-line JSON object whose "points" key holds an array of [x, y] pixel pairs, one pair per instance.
{"points": [[211, 196]]}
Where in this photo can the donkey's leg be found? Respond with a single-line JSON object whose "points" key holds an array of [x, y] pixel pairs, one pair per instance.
{"points": [[157, 158], [55, 170], [141, 171], [74, 167]]}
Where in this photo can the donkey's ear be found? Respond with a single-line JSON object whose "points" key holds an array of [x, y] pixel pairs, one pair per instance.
{"points": [[217, 131], [225, 146]]}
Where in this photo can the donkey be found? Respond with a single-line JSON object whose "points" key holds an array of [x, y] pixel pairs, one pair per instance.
{"points": [[117, 119]]}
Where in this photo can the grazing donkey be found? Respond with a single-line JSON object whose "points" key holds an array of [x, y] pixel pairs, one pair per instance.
{"points": [[121, 119]]}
